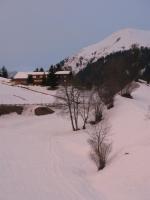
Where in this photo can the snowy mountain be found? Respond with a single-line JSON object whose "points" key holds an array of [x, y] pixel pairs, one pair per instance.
{"points": [[121, 40]]}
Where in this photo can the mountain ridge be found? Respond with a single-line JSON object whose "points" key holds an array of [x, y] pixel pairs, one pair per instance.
{"points": [[117, 41]]}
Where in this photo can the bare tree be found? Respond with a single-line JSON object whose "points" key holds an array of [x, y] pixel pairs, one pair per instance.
{"points": [[75, 96], [69, 96], [100, 145], [85, 106]]}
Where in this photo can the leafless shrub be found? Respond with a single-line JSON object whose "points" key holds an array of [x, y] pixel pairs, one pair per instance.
{"points": [[106, 93], [100, 145]]}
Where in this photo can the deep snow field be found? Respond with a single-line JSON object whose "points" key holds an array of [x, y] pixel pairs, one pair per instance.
{"points": [[42, 159]]}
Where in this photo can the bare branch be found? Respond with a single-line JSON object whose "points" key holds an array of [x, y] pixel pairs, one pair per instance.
{"points": [[100, 144]]}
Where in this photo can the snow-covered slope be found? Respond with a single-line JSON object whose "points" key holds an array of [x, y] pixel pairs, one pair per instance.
{"points": [[127, 175], [121, 40], [17, 95], [41, 158]]}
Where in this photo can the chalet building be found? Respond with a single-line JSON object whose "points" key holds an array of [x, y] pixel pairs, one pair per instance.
{"points": [[22, 77], [37, 77], [63, 76]]}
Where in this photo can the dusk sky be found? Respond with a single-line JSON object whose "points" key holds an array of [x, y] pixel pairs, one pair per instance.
{"points": [[38, 33]]}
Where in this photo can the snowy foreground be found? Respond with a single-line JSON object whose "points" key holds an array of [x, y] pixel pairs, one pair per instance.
{"points": [[42, 159]]}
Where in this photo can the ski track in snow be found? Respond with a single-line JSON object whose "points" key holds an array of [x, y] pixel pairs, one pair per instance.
{"points": [[33, 166], [77, 187]]}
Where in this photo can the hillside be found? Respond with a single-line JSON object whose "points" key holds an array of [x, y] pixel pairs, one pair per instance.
{"points": [[41, 160], [119, 41], [20, 95]]}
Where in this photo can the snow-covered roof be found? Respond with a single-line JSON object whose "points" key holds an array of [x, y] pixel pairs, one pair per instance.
{"points": [[21, 75], [62, 72], [24, 75], [36, 73]]}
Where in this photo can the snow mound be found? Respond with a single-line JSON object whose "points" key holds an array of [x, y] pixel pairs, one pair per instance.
{"points": [[4, 80]]}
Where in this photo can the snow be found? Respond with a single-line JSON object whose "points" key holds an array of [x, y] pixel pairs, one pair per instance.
{"points": [[127, 175], [23, 95], [36, 164], [21, 75], [41, 158], [4, 80], [121, 40], [37, 73], [62, 72]]}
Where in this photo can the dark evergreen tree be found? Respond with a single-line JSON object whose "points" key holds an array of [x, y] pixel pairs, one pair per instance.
{"points": [[52, 80], [58, 67], [30, 80], [44, 80], [51, 68], [4, 72], [41, 69], [36, 70]]}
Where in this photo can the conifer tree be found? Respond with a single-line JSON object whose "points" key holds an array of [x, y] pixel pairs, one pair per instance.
{"points": [[41, 69], [4, 72], [52, 78], [30, 79], [36, 70], [44, 80]]}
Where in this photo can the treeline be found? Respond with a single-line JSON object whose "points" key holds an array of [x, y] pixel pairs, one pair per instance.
{"points": [[3, 72], [117, 69], [57, 67]]}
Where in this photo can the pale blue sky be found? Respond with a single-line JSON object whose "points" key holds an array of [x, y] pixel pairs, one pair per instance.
{"points": [[35, 33]]}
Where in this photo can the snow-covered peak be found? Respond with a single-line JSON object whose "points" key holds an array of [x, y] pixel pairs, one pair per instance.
{"points": [[121, 40]]}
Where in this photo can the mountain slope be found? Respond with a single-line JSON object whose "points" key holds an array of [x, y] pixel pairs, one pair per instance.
{"points": [[121, 40]]}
